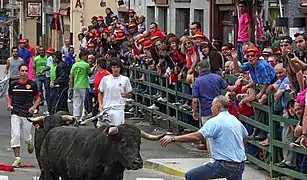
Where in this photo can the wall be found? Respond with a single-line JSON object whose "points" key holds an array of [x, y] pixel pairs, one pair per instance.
{"points": [[141, 8], [30, 31]]}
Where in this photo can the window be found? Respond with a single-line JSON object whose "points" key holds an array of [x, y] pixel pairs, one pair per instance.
{"points": [[182, 20], [199, 17]]}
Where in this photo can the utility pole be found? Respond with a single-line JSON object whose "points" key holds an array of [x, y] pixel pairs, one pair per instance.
{"points": [[128, 5]]}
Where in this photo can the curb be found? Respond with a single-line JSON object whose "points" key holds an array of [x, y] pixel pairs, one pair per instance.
{"points": [[162, 168]]}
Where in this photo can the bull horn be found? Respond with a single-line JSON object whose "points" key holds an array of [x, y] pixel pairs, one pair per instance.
{"points": [[36, 119], [151, 137], [68, 118], [113, 131]]}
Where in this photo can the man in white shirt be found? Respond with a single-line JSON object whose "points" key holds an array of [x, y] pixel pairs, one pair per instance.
{"points": [[114, 89]]}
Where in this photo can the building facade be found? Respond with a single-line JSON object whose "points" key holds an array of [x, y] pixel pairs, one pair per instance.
{"points": [[174, 16]]}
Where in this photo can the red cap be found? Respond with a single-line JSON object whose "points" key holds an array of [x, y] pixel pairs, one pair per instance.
{"points": [[100, 18], [91, 45], [147, 44], [253, 49], [22, 41], [50, 50], [132, 24], [199, 34], [131, 11], [120, 36]]}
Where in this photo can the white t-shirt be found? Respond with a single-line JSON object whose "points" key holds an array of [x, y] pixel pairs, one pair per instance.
{"points": [[112, 87]]}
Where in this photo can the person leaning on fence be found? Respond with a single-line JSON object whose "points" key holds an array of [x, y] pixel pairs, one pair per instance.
{"points": [[206, 87], [227, 137], [22, 94]]}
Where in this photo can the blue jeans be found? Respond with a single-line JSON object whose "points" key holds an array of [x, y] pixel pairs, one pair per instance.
{"points": [[216, 169], [240, 52], [40, 81]]}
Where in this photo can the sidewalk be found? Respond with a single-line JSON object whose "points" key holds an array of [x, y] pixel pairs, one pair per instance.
{"points": [[179, 166]]}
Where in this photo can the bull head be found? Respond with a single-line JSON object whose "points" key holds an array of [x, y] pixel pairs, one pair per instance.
{"points": [[68, 119]]}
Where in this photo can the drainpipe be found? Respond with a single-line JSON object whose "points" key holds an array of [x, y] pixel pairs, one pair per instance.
{"points": [[44, 23], [212, 18], [21, 20]]}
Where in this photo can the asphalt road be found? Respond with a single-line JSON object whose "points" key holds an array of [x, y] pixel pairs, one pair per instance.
{"points": [[149, 149]]}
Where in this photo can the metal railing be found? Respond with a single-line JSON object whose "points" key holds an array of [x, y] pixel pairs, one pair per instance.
{"points": [[172, 114]]}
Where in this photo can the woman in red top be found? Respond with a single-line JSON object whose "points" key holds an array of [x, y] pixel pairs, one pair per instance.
{"points": [[102, 72]]}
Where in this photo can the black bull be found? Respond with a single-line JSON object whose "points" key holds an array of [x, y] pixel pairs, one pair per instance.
{"points": [[90, 153], [44, 124]]}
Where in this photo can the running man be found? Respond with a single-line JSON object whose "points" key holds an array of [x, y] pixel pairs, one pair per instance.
{"points": [[114, 89], [22, 94]]}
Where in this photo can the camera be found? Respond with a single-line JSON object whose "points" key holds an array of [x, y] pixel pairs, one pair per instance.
{"points": [[290, 55]]}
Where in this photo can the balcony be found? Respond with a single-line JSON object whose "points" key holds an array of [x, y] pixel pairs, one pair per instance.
{"points": [[161, 2]]}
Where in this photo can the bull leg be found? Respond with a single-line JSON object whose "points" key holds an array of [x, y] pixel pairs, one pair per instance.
{"points": [[48, 175]]}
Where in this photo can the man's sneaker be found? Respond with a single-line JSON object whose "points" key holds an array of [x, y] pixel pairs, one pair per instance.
{"points": [[69, 101], [30, 148], [17, 162]]}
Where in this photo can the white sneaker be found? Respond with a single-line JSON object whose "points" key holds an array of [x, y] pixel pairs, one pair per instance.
{"points": [[69, 101], [46, 113], [129, 100], [17, 162], [35, 111]]}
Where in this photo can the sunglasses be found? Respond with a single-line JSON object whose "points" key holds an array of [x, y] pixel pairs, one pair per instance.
{"points": [[23, 70], [285, 41], [299, 34], [15, 51], [250, 55]]}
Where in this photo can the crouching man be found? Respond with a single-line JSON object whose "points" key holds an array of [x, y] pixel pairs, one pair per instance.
{"points": [[22, 94]]}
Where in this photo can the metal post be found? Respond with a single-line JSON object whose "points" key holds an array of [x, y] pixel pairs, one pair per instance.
{"points": [[128, 4], [1, 4]]}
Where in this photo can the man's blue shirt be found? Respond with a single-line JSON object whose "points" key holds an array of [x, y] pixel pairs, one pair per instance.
{"points": [[263, 73], [206, 87], [24, 54], [225, 133]]}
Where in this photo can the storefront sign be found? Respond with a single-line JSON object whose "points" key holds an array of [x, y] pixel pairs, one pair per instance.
{"points": [[34, 9], [78, 4], [224, 2]]}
